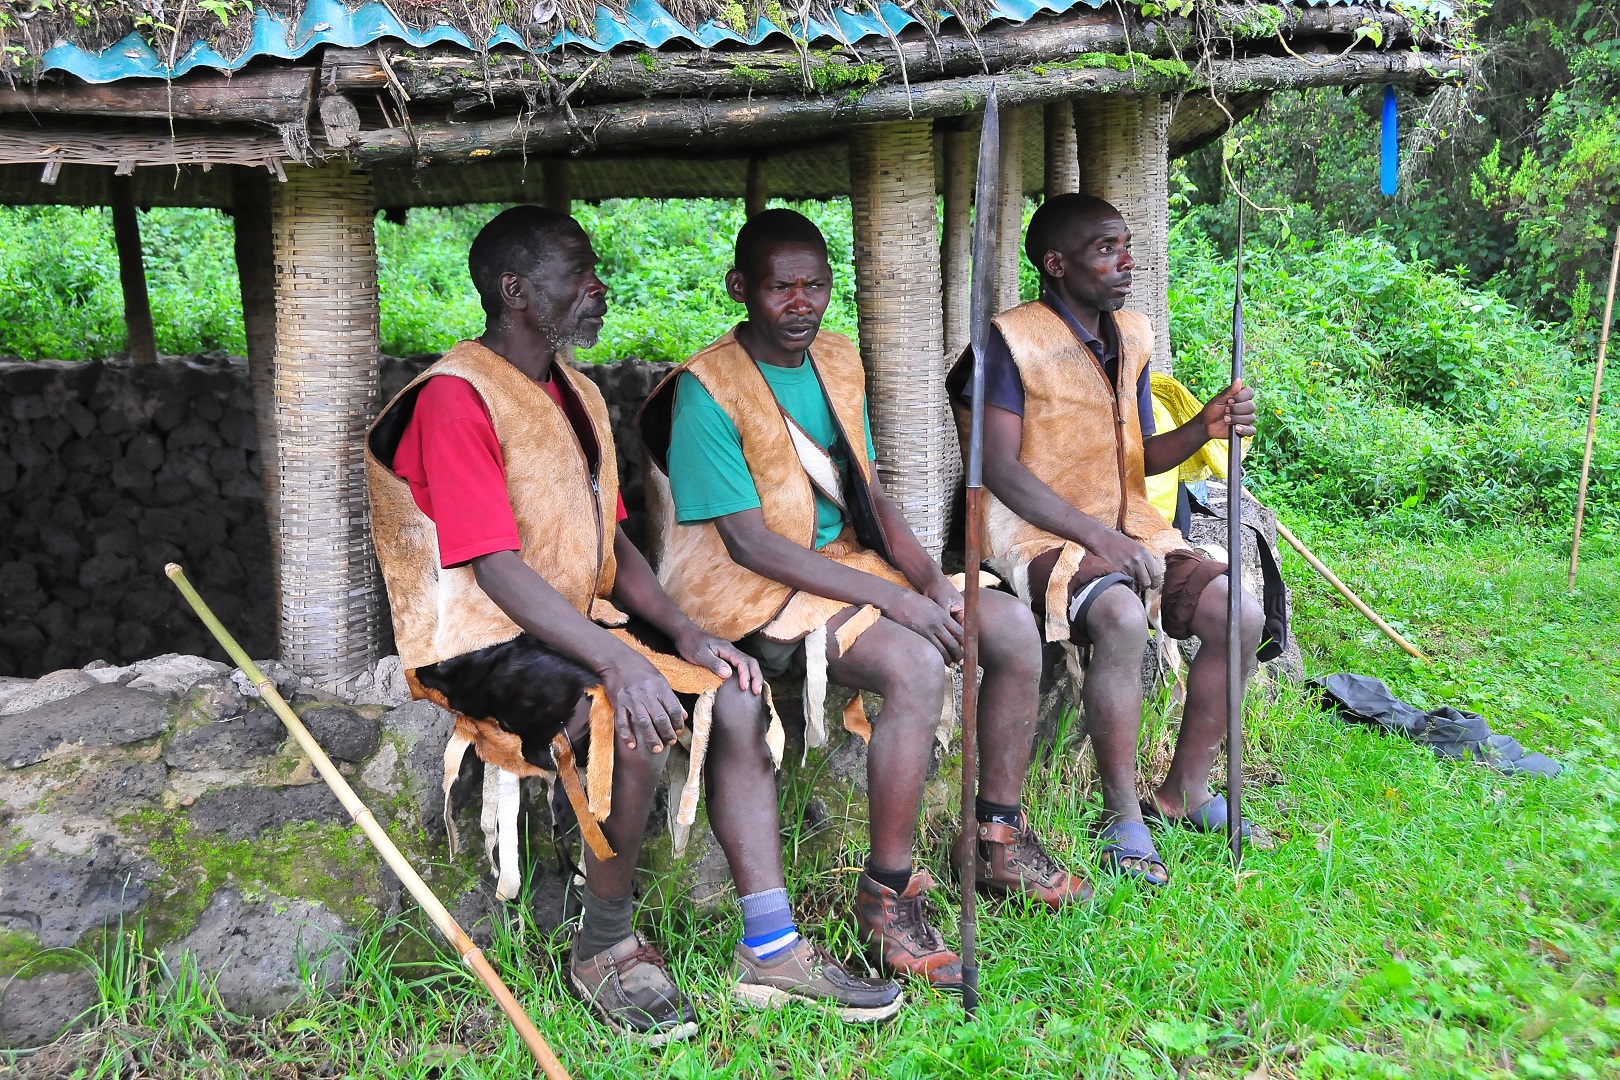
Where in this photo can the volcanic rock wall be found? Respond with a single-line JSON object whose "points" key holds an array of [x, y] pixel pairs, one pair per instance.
{"points": [[108, 471]]}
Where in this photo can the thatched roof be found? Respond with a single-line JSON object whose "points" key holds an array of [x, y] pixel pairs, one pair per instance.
{"points": [[468, 101]]}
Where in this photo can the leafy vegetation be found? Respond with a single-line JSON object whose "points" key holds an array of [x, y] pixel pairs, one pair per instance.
{"points": [[1513, 180], [1415, 919], [1388, 388]]}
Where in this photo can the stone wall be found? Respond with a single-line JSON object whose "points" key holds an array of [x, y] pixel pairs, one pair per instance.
{"points": [[108, 471]]}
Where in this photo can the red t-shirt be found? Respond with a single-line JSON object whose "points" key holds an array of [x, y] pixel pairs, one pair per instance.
{"points": [[450, 457]]}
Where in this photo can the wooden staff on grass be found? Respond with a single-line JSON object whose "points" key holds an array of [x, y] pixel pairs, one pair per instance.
{"points": [[986, 225], [470, 954], [1591, 417], [1234, 581]]}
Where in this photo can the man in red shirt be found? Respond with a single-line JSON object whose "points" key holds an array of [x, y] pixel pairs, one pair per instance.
{"points": [[496, 510]]}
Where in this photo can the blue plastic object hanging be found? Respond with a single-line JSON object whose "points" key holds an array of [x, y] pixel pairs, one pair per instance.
{"points": [[1389, 157]]}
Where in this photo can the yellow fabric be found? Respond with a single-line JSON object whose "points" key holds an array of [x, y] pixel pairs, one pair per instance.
{"points": [[1174, 405]]}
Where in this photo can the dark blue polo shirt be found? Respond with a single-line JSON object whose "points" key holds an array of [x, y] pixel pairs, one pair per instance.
{"points": [[1004, 388]]}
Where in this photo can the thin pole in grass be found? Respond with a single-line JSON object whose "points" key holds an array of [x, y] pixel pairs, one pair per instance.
{"points": [[446, 924], [1591, 417], [1234, 580]]}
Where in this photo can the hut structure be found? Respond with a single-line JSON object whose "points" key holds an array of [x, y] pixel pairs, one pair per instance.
{"points": [[305, 118]]}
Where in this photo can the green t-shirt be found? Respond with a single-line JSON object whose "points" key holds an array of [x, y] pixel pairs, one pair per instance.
{"points": [[708, 476]]}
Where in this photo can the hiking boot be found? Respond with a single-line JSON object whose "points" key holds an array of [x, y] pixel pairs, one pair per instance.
{"points": [[629, 988], [808, 972], [898, 925], [1013, 860]]}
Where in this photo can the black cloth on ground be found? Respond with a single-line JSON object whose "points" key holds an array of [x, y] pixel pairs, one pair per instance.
{"points": [[1455, 734]]}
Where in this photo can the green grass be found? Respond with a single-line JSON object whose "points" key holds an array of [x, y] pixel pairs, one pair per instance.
{"points": [[1415, 918]]}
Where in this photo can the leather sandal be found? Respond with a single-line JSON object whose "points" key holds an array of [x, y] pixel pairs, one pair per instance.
{"points": [[1130, 840]]}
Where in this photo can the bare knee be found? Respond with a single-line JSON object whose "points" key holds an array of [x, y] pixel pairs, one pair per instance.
{"points": [[738, 713], [1117, 621], [914, 671], [1210, 621], [1010, 641]]}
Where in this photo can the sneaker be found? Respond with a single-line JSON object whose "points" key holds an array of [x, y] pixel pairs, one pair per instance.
{"points": [[1013, 860], [808, 972], [898, 925], [629, 988]]}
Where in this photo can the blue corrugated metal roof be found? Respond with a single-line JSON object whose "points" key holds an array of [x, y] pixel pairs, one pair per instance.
{"points": [[645, 23]]}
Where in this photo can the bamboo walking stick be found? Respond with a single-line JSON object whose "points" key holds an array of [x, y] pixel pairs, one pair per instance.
{"points": [[986, 224], [1349, 594], [470, 954], [1234, 583], [1591, 417]]}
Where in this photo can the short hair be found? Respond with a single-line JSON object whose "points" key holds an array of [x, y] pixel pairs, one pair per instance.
{"points": [[1055, 221], [515, 241], [773, 228]]}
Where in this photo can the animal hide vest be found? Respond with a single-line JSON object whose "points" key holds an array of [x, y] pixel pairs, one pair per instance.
{"points": [[1082, 439], [697, 571], [565, 509]]}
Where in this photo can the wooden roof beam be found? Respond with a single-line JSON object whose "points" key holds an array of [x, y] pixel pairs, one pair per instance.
{"points": [[457, 76], [747, 121], [268, 96]]}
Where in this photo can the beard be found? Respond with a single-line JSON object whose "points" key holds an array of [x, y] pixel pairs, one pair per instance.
{"points": [[575, 331]]}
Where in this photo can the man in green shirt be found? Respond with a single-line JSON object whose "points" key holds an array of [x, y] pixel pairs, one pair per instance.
{"points": [[706, 451], [780, 538]]}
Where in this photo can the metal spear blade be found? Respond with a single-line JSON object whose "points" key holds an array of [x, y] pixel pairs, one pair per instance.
{"points": [[982, 307]]}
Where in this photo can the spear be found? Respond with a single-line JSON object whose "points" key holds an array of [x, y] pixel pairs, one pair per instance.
{"points": [[1234, 582], [446, 924], [986, 225]]}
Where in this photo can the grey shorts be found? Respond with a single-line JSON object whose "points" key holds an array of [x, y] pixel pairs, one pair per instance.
{"points": [[777, 659]]}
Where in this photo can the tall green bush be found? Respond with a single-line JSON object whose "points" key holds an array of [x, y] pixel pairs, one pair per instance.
{"points": [[59, 292], [1387, 387]]}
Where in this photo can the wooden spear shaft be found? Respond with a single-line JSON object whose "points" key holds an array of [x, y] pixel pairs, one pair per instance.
{"points": [[470, 954], [1591, 417], [1348, 593], [1234, 582]]}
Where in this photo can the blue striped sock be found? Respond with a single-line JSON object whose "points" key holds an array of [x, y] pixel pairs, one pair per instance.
{"points": [[768, 926]]}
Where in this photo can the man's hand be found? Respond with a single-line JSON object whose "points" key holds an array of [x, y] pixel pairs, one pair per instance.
{"points": [[1232, 407], [644, 704], [926, 617], [1129, 557], [721, 657], [946, 595]]}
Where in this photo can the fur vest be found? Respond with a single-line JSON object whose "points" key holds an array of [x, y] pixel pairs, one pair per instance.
{"points": [[564, 496], [1082, 437], [697, 571]]}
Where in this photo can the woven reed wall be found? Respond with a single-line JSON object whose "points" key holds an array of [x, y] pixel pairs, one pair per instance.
{"points": [[1010, 246], [1126, 161], [956, 237], [1062, 157], [256, 270], [897, 291], [326, 364]]}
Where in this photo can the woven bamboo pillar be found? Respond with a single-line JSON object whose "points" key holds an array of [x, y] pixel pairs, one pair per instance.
{"points": [[756, 193], [897, 290], [956, 238], [256, 270], [326, 367], [1062, 153], [142, 338], [559, 188], [1127, 162], [1010, 245]]}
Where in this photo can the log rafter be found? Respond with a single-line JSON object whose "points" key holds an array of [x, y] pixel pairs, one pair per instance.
{"points": [[672, 123], [465, 81]]}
